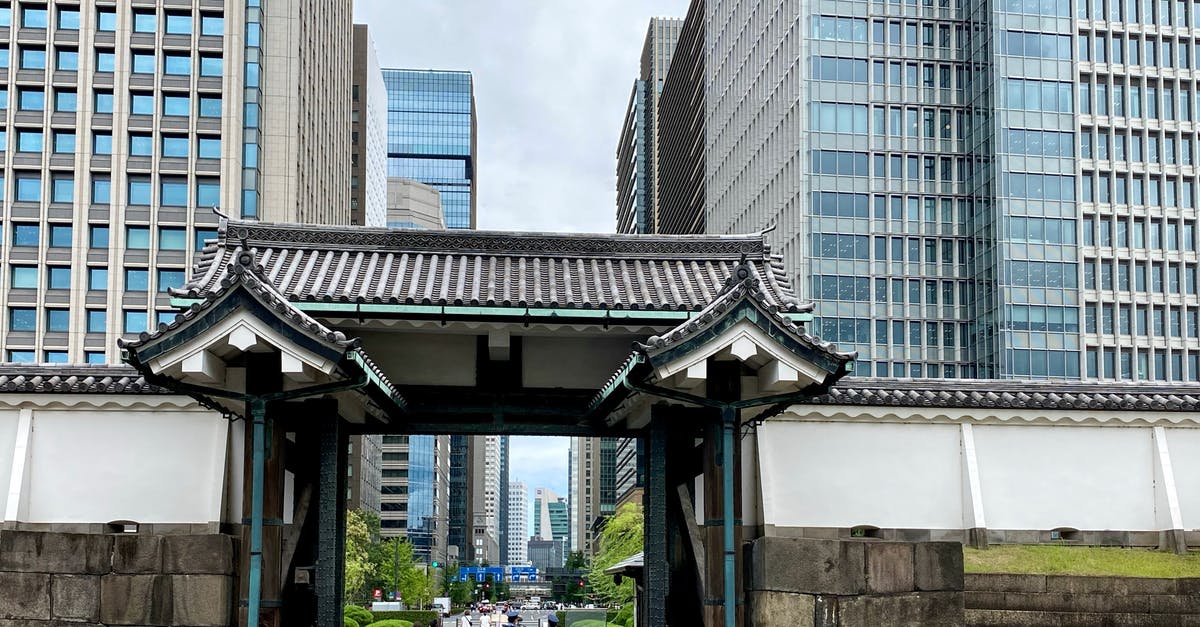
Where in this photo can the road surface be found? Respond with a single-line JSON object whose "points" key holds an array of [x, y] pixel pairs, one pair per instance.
{"points": [[529, 618]]}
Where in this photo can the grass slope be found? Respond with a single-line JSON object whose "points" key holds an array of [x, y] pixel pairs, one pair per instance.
{"points": [[1080, 560]]}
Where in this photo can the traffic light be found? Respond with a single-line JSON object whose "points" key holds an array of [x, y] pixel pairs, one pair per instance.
{"points": [[581, 584], [487, 585], [435, 564]]}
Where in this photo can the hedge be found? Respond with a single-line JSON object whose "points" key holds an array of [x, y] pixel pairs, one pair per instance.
{"points": [[416, 617], [360, 615], [349, 622], [391, 623]]}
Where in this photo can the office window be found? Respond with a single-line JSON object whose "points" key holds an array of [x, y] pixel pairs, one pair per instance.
{"points": [[65, 101], [65, 59], [174, 146], [106, 20], [22, 319], [60, 236], [102, 143], [209, 148], [106, 61], [141, 145], [34, 16], [176, 105], [143, 63], [210, 106], [172, 238], [26, 235], [211, 24], [174, 193], [56, 357], [97, 279], [68, 19], [4, 57], [137, 280], [29, 187], [6, 16], [179, 24], [58, 278], [58, 320], [97, 320], [29, 141], [25, 277], [94, 357], [104, 102], [208, 192], [177, 64], [135, 321], [64, 141], [21, 356], [142, 104], [144, 22], [202, 235], [139, 191], [33, 59], [98, 236], [101, 190], [170, 279], [137, 238], [211, 66], [62, 189], [31, 99]]}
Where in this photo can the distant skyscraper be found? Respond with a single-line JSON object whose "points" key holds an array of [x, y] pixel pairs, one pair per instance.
{"points": [[368, 161], [413, 205], [415, 492], [546, 554], [630, 473], [637, 153], [460, 526], [682, 131], [551, 516], [431, 136], [126, 122], [593, 488], [518, 524]]}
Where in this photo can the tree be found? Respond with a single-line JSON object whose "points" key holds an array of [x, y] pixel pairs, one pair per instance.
{"points": [[359, 567], [622, 538], [576, 561]]}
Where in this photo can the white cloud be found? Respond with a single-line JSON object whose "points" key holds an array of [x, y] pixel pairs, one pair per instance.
{"points": [[541, 462], [552, 80]]}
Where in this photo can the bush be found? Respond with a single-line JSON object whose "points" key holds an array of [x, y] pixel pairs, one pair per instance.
{"points": [[360, 615], [416, 617], [392, 623], [349, 622]]}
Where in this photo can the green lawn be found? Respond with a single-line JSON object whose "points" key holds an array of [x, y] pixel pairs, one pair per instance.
{"points": [[1080, 560]]}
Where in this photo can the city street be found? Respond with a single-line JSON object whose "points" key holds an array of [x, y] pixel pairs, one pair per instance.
{"points": [[529, 618]]}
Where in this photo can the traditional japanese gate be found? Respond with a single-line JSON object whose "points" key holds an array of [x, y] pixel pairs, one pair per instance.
{"points": [[312, 334]]}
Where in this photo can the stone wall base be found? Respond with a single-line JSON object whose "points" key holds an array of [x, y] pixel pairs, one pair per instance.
{"points": [[999, 600]]}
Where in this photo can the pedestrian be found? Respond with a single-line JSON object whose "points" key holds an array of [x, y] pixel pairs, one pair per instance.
{"points": [[465, 621], [485, 620], [552, 620]]}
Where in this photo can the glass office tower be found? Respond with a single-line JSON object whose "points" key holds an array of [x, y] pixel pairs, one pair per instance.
{"points": [[415, 492], [431, 136]]}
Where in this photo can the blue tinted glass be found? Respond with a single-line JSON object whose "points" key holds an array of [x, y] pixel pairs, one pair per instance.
{"points": [[106, 62], [56, 357], [143, 22], [68, 19], [210, 107], [32, 17], [143, 63], [98, 238], [209, 148], [26, 235], [137, 238], [5, 16], [102, 144], [104, 102], [4, 99], [29, 141], [95, 358], [67, 60], [101, 191], [250, 156], [204, 234], [25, 277], [62, 190], [58, 319], [60, 235], [21, 357], [97, 320], [176, 105], [135, 321], [208, 194], [31, 100], [106, 20], [22, 319], [29, 188], [177, 65], [142, 104], [212, 25], [97, 279], [139, 192], [137, 280], [210, 66], [172, 238], [179, 24], [65, 101], [64, 142], [58, 278], [32, 59], [4, 56], [175, 146], [174, 194], [141, 145], [251, 74], [169, 279]]}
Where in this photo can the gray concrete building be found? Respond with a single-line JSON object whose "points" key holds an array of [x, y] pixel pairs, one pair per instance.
{"points": [[413, 205], [415, 492], [680, 178], [125, 123], [547, 554], [368, 138]]}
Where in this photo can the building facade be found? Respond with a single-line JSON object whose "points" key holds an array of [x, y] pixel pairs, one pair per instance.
{"points": [[368, 137], [431, 136], [415, 489], [413, 205], [364, 471], [680, 177], [517, 534], [630, 470], [637, 154], [460, 530], [546, 554], [128, 124]]}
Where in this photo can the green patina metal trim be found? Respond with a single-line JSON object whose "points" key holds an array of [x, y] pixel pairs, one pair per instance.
{"points": [[374, 379], [478, 311], [616, 383]]}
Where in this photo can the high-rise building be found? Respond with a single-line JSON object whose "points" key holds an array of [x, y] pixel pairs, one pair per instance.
{"points": [[546, 554], [413, 205], [637, 154], [364, 472], [431, 136], [551, 516], [415, 493], [517, 534], [588, 502], [503, 518], [461, 521], [368, 137], [129, 121], [682, 131], [630, 470]]}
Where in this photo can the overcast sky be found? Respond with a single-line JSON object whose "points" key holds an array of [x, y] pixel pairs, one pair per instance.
{"points": [[552, 80]]}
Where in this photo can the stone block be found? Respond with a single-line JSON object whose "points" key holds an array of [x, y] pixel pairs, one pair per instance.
{"points": [[1187, 585], [75, 597], [911, 535], [1014, 618], [974, 600], [928, 609], [202, 600], [49, 552], [1148, 585], [137, 554], [889, 567], [1085, 585], [24, 595], [938, 566], [769, 608], [136, 600], [806, 566], [1005, 583], [211, 554]]}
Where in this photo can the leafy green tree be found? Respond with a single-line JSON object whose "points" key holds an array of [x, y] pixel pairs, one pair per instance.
{"points": [[359, 567], [576, 561], [622, 538]]}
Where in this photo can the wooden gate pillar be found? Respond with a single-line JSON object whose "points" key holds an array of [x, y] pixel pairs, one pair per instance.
{"points": [[331, 520], [656, 564]]}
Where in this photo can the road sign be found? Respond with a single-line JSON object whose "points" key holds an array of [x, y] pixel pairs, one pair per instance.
{"points": [[377, 594]]}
